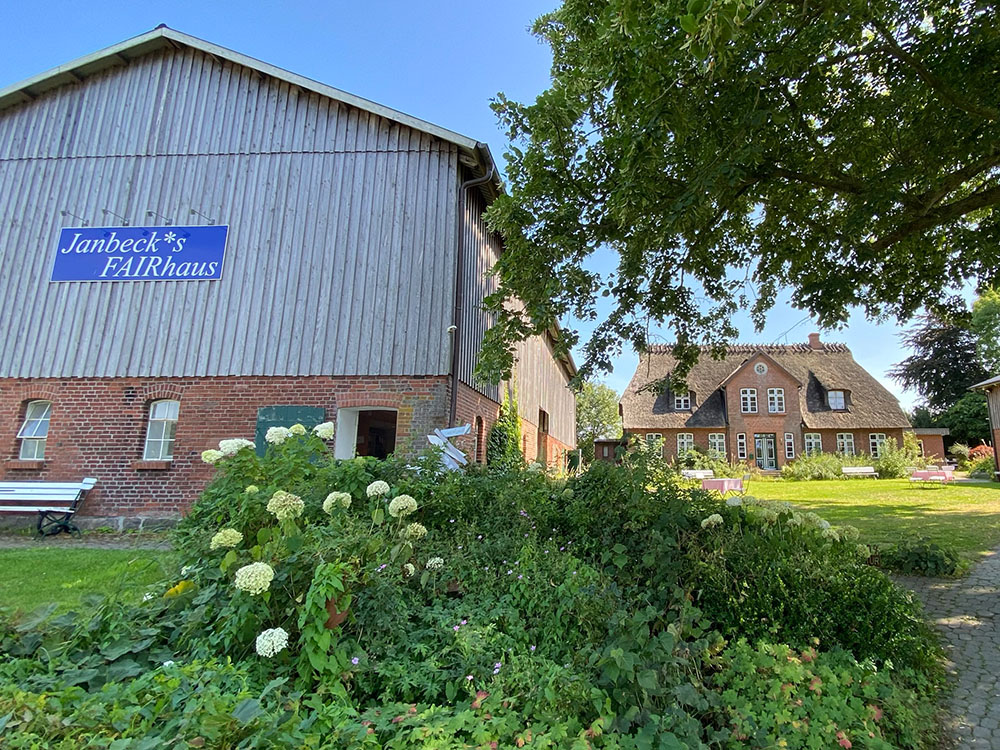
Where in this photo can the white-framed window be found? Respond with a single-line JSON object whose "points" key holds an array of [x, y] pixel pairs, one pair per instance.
{"points": [[682, 403], [741, 445], [845, 443], [789, 445], [606, 452], [34, 430], [748, 400], [161, 430], [920, 447], [836, 400], [717, 444], [814, 443], [685, 442], [875, 440], [776, 400], [654, 437]]}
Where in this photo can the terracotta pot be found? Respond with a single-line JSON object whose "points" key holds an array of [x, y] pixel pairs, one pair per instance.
{"points": [[336, 617]]}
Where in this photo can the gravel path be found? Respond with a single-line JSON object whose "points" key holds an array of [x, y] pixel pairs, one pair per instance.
{"points": [[87, 541], [967, 611]]}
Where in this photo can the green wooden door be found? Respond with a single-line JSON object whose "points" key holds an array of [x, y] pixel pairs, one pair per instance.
{"points": [[285, 416]]}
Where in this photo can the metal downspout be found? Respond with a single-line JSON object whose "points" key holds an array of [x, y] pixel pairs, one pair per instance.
{"points": [[456, 330]]}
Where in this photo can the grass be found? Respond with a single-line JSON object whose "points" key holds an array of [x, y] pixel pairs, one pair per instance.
{"points": [[966, 516], [35, 576]]}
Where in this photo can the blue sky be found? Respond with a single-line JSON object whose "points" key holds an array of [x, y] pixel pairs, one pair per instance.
{"points": [[441, 61]]}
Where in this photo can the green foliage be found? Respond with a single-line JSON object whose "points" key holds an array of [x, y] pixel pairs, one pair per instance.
{"points": [[823, 465], [968, 418], [944, 362], [503, 444], [589, 612], [596, 416], [698, 458], [691, 138], [921, 557], [895, 461], [982, 467], [776, 696], [985, 327]]}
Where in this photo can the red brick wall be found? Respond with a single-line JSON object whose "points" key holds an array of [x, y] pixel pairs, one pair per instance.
{"points": [[472, 404], [670, 437], [98, 427], [933, 445], [860, 438], [763, 421], [553, 450]]}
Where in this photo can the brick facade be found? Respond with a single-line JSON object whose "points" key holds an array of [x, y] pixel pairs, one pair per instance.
{"points": [[98, 427]]}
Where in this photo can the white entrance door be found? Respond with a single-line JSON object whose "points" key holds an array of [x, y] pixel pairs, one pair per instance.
{"points": [[764, 443]]}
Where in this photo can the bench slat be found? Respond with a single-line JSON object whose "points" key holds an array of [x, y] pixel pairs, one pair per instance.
{"points": [[37, 509], [85, 485]]}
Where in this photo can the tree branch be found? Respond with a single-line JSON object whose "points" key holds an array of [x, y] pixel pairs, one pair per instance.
{"points": [[987, 113], [944, 214]]}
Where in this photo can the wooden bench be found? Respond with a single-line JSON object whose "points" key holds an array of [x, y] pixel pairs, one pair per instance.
{"points": [[697, 474], [859, 471], [55, 502]]}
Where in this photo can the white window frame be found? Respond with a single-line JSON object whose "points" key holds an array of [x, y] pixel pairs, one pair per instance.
{"points": [[920, 447], [34, 430], [845, 443], [814, 443], [841, 400], [789, 445], [682, 403], [687, 440], [161, 429], [717, 444], [875, 441], [776, 400], [741, 446], [748, 400], [652, 437]]}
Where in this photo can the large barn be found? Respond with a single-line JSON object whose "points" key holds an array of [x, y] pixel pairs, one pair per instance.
{"points": [[197, 245]]}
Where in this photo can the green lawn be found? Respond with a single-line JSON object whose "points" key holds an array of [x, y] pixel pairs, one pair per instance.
{"points": [[39, 575], [886, 510]]}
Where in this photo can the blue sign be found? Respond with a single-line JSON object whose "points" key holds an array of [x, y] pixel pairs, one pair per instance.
{"points": [[140, 253]]}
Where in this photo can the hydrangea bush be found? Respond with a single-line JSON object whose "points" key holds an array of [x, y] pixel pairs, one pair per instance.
{"points": [[363, 603]]}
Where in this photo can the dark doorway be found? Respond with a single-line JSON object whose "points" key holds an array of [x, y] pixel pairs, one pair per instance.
{"points": [[376, 433]]}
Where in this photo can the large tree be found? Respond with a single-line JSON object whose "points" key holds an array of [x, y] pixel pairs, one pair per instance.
{"points": [[596, 416], [986, 328], [944, 362], [846, 149]]}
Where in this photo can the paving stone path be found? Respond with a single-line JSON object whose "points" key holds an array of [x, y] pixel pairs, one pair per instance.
{"points": [[88, 541], [967, 611]]}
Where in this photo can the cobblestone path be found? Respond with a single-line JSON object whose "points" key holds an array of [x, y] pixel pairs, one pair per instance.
{"points": [[88, 541], [968, 613]]}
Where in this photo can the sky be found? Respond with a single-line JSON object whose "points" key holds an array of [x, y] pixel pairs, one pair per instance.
{"points": [[439, 60]]}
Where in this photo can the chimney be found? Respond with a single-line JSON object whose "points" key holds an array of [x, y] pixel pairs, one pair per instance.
{"points": [[814, 342]]}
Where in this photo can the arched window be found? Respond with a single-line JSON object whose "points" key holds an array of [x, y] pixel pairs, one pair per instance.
{"points": [[35, 430], [161, 430], [480, 455]]}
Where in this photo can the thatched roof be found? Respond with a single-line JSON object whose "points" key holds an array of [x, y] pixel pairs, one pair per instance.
{"points": [[819, 368]]}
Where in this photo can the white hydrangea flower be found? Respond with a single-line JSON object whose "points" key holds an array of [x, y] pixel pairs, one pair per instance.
{"points": [[415, 531], [226, 538], [795, 520], [343, 499], [297, 429], [234, 445], [254, 578], [769, 515], [325, 430], [535, 467], [252, 489], [435, 563], [277, 435], [409, 569], [378, 488], [402, 506], [211, 456], [272, 642], [734, 502], [713, 520], [285, 505], [831, 533], [864, 551], [849, 533]]}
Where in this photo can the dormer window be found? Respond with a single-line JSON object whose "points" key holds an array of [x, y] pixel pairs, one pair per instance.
{"points": [[682, 403], [836, 400]]}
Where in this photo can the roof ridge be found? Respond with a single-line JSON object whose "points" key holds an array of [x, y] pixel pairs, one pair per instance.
{"points": [[748, 348]]}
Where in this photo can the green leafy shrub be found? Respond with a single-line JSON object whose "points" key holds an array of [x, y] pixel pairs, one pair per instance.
{"points": [[503, 444], [698, 458], [776, 696], [522, 610], [922, 557], [982, 468]]}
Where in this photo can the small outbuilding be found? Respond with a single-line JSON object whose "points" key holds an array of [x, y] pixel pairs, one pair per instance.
{"points": [[991, 388]]}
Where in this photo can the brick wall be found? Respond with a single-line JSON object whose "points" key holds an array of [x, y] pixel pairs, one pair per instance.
{"points": [[933, 445], [861, 439], [472, 404], [550, 451], [763, 421], [98, 427], [670, 437]]}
